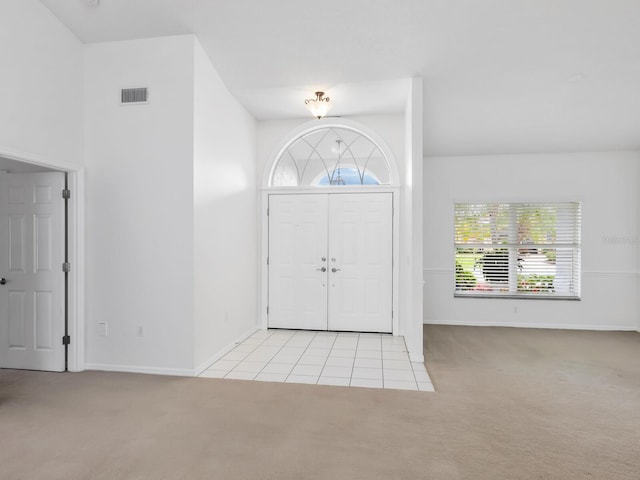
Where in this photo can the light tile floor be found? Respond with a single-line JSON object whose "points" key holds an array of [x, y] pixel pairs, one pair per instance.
{"points": [[324, 358]]}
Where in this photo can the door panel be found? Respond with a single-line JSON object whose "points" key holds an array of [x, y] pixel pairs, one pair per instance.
{"points": [[17, 320], [354, 233], [31, 256], [360, 252], [297, 244]]}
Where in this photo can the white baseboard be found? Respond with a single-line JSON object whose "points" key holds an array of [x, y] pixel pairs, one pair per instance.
{"points": [[105, 367], [221, 353], [556, 326], [176, 372], [180, 372]]}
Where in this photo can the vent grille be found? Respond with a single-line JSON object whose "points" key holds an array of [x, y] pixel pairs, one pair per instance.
{"points": [[134, 95]]}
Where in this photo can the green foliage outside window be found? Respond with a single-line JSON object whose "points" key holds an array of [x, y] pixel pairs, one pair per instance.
{"points": [[465, 280]]}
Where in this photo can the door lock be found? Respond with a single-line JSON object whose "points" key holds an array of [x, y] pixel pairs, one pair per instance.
{"points": [[3, 281]]}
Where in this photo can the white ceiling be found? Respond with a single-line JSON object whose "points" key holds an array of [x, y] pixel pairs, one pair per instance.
{"points": [[501, 76]]}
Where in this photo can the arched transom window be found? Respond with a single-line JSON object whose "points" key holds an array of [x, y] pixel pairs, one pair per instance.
{"points": [[331, 156]]}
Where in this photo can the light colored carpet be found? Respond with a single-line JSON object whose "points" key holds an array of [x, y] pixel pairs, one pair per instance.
{"points": [[510, 404]]}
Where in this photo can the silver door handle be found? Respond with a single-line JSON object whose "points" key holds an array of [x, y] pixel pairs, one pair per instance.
{"points": [[334, 270], [3, 281], [323, 269]]}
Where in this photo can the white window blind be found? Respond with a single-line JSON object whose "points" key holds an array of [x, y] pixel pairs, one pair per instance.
{"points": [[517, 250]]}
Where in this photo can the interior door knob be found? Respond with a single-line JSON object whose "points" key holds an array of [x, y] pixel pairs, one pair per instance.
{"points": [[3, 281], [323, 269], [334, 270]]}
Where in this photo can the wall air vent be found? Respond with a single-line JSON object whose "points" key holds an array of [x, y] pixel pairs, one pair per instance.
{"points": [[130, 96]]}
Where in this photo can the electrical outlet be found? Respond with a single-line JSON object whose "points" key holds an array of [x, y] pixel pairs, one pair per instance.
{"points": [[140, 331], [103, 329]]}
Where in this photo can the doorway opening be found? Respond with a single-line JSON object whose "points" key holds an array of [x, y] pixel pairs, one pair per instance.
{"points": [[330, 236], [331, 262], [37, 288]]}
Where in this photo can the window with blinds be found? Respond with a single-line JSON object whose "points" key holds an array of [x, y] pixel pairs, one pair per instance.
{"points": [[527, 250]]}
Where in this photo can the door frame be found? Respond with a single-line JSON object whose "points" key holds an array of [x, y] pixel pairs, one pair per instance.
{"points": [[75, 238], [400, 309], [264, 248]]}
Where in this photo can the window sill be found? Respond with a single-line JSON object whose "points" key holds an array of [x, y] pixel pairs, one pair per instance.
{"points": [[514, 296]]}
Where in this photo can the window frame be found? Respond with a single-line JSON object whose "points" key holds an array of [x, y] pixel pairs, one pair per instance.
{"points": [[312, 139], [513, 249]]}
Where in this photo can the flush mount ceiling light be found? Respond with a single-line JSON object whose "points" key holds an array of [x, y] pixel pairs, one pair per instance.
{"points": [[318, 106]]}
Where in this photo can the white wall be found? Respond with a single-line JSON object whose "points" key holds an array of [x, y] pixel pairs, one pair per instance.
{"points": [[607, 185], [139, 205], [40, 86], [411, 253], [225, 215]]}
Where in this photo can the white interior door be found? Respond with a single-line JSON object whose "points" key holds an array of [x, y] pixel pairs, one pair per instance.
{"points": [[330, 262], [297, 246], [31, 257], [360, 262]]}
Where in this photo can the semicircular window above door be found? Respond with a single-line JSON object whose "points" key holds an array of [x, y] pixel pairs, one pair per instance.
{"points": [[331, 156]]}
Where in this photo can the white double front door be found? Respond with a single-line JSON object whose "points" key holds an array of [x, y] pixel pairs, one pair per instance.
{"points": [[330, 262], [31, 277]]}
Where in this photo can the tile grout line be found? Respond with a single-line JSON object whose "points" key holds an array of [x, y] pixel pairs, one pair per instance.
{"points": [[382, 362], [327, 359], [315, 334], [353, 364], [274, 355], [268, 361], [230, 351], [249, 353], [413, 372]]}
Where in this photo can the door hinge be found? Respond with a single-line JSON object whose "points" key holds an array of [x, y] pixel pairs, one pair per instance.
{"points": [[267, 309], [66, 340], [267, 211], [392, 314], [267, 260], [66, 194], [66, 267]]}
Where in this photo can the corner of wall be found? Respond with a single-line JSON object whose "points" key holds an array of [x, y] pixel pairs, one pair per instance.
{"points": [[225, 291], [413, 210], [638, 240]]}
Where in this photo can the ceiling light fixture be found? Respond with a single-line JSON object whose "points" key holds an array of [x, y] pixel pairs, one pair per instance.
{"points": [[318, 106]]}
